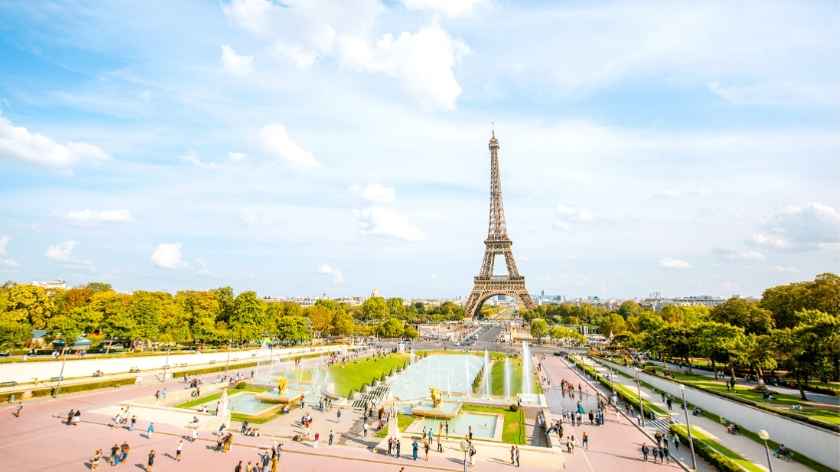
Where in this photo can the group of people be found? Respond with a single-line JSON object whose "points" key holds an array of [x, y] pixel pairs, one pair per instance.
{"points": [[119, 454], [267, 461], [249, 430], [74, 417], [661, 451]]}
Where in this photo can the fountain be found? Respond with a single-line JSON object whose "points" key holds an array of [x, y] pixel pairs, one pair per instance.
{"points": [[486, 374], [412, 356], [526, 368], [436, 408], [507, 378], [467, 375]]}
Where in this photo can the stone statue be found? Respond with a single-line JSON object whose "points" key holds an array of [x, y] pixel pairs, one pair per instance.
{"points": [[435, 397], [282, 383]]}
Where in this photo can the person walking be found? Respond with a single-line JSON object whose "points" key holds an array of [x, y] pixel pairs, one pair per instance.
{"points": [[338, 415], [150, 429], [132, 423], [666, 454], [512, 454], [414, 448], [150, 463], [398, 448], [645, 451], [115, 458], [238, 467], [178, 450], [94, 462], [517, 455], [364, 429], [426, 448], [331, 437], [194, 435], [19, 410], [584, 441], [124, 449]]}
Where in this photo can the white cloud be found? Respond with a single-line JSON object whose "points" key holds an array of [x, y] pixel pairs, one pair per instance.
{"points": [[191, 157], [250, 14], [739, 255], [99, 216], [769, 241], [236, 156], [774, 93], [424, 61], [801, 228], [375, 193], [235, 64], [61, 251], [18, 143], [451, 8], [671, 263], [275, 140], [167, 256], [4, 245], [337, 276], [387, 222], [566, 217], [4, 260]]}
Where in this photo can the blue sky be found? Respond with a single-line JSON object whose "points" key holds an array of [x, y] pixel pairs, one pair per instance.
{"points": [[310, 147]]}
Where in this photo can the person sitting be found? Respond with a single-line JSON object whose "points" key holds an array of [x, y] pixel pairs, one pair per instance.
{"points": [[781, 451], [732, 428], [696, 411]]}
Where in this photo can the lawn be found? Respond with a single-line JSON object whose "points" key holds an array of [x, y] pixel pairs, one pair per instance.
{"points": [[513, 431], [497, 378], [215, 396], [718, 454], [352, 376], [403, 422], [780, 402]]}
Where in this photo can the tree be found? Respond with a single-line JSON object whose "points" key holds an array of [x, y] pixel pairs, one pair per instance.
{"points": [[294, 329], [539, 328], [374, 308], [396, 307], [629, 308], [342, 324], [744, 313], [410, 332], [247, 322], [201, 309], [612, 324], [64, 328], [226, 301], [321, 319], [391, 328], [563, 333], [32, 300], [784, 301], [145, 312], [96, 287]]}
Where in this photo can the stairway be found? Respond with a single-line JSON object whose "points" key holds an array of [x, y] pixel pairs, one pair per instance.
{"points": [[373, 396]]}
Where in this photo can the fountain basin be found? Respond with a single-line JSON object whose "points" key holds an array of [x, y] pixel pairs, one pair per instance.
{"points": [[247, 406], [484, 426], [287, 397], [445, 410]]}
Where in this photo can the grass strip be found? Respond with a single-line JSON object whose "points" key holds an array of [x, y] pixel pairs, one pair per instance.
{"points": [[725, 459], [353, 376]]}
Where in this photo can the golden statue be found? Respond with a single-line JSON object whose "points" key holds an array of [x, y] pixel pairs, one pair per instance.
{"points": [[282, 383], [435, 397]]}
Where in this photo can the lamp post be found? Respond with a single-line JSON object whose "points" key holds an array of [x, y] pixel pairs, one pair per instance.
{"points": [[688, 428], [641, 402], [764, 435], [61, 374]]}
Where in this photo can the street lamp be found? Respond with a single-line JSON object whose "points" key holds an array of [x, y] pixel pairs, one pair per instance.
{"points": [[688, 428], [641, 402], [764, 435]]}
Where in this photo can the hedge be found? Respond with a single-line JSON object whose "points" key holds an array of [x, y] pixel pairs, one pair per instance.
{"points": [[721, 457], [45, 391], [620, 390]]}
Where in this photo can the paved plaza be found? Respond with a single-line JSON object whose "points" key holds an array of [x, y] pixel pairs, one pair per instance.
{"points": [[39, 440]]}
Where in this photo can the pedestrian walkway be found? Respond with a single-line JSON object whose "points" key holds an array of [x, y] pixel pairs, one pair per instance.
{"points": [[615, 445], [817, 399], [739, 443]]}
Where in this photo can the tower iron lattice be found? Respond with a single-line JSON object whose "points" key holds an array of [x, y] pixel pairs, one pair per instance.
{"points": [[485, 284]]}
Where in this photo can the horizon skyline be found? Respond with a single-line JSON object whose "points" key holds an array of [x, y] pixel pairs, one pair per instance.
{"points": [[322, 148]]}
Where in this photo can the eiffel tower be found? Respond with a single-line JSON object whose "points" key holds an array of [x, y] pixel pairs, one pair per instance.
{"points": [[485, 284]]}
